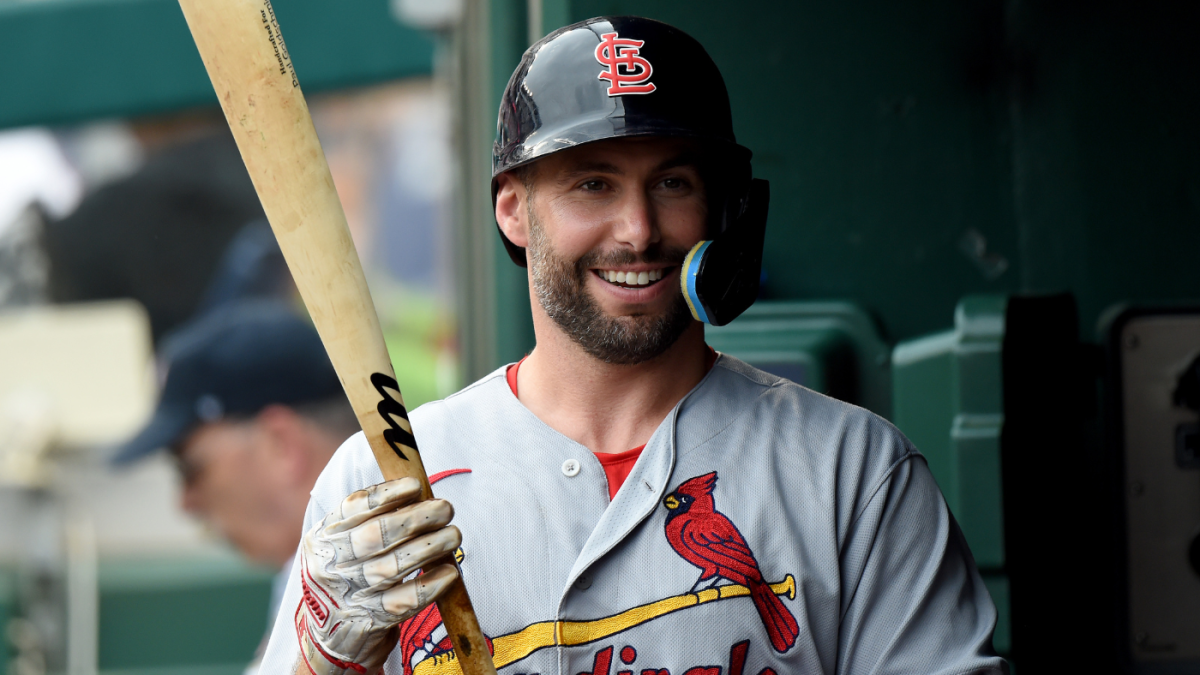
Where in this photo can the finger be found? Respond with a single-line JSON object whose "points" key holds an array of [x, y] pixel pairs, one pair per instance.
{"points": [[410, 556], [385, 531], [363, 504], [404, 600]]}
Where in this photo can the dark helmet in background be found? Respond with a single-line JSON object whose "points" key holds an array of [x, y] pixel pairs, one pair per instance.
{"points": [[618, 77]]}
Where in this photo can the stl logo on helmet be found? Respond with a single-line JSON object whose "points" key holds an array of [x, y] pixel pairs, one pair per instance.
{"points": [[626, 71]]}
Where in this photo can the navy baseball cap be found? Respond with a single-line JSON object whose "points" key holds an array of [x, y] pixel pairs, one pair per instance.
{"points": [[231, 363]]}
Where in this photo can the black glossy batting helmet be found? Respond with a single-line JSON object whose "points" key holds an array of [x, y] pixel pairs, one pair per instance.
{"points": [[624, 76]]}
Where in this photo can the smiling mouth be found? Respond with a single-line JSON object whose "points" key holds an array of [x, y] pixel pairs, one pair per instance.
{"points": [[633, 279]]}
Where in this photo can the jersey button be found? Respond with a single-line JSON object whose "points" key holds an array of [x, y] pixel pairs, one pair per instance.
{"points": [[584, 582], [570, 468]]}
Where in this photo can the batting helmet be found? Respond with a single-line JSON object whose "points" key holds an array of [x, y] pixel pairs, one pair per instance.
{"points": [[617, 77]]}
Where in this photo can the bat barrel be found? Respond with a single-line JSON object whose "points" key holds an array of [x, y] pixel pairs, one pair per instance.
{"points": [[252, 73]]}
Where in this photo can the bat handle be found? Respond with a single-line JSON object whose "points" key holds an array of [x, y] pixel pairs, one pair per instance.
{"points": [[471, 650]]}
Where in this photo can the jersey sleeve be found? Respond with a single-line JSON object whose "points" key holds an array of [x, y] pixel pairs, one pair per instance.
{"points": [[351, 468], [913, 601], [283, 650]]}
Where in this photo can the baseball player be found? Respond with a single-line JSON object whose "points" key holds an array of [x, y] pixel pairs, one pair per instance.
{"points": [[625, 499]]}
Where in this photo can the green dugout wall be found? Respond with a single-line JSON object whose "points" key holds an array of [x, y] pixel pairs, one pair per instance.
{"points": [[922, 152], [64, 61]]}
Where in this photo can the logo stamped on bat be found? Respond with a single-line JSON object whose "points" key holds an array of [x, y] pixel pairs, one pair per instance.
{"points": [[390, 409], [275, 37]]}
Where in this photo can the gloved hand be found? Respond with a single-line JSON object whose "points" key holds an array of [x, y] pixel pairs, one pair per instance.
{"points": [[352, 567]]}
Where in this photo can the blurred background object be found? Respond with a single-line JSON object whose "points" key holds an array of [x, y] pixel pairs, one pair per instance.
{"points": [[74, 375], [115, 245], [977, 206], [36, 182]]}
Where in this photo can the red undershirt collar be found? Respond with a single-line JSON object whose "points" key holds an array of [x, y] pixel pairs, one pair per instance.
{"points": [[617, 465]]}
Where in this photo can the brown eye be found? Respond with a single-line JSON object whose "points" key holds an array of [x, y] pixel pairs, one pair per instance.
{"points": [[592, 186], [680, 184]]}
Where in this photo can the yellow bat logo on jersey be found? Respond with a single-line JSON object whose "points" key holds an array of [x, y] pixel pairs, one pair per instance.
{"points": [[508, 649]]}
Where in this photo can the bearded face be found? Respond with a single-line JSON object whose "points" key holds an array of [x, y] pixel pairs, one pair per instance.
{"points": [[561, 288]]}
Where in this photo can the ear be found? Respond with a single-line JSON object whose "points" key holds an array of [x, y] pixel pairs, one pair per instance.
{"points": [[512, 214]]}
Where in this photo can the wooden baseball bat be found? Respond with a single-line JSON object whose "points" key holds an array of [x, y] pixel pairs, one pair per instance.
{"points": [[252, 73]]}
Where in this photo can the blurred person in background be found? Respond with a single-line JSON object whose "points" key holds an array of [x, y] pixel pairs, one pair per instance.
{"points": [[252, 410]]}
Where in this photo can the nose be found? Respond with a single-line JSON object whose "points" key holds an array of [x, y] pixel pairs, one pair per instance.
{"points": [[638, 226]]}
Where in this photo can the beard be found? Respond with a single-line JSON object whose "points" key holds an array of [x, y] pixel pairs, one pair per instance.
{"points": [[561, 289]]}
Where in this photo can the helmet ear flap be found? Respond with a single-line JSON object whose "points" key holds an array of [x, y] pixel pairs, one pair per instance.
{"points": [[720, 277], [733, 194]]}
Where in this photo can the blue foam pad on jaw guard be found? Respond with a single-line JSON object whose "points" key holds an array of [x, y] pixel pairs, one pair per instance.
{"points": [[691, 269]]}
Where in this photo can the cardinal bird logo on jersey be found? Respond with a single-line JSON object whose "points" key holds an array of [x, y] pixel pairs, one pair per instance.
{"points": [[697, 532], [706, 538]]}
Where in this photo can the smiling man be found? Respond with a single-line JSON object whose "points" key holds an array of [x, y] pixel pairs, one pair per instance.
{"points": [[630, 500]]}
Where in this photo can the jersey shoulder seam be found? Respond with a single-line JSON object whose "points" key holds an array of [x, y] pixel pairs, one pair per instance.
{"points": [[873, 492], [779, 383], [909, 453], [765, 388], [728, 363], [717, 432]]}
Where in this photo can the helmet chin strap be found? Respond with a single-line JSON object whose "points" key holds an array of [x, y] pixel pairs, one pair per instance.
{"points": [[720, 277]]}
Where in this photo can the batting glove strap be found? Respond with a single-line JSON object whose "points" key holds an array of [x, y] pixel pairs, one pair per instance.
{"points": [[320, 633], [318, 660]]}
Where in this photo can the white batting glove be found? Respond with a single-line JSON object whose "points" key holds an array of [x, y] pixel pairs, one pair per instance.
{"points": [[352, 566]]}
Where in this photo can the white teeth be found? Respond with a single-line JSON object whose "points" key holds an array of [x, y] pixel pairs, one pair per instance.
{"points": [[632, 278]]}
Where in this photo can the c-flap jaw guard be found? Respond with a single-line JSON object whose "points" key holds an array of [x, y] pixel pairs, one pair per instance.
{"points": [[720, 277]]}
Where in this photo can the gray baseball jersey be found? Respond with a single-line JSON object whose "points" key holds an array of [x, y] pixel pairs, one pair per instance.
{"points": [[764, 529]]}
